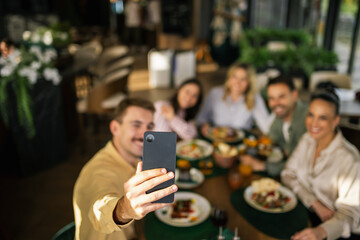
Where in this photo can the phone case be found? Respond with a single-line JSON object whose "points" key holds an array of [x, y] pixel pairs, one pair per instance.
{"points": [[159, 151]]}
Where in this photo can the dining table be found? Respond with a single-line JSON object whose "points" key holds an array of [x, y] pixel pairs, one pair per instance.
{"points": [[218, 188], [218, 192]]}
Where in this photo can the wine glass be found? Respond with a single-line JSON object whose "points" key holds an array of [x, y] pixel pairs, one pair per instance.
{"points": [[219, 218]]}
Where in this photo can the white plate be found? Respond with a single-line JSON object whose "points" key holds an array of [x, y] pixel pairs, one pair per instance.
{"points": [[196, 176], [289, 206], [201, 205], [240, 135], [206, 147]]}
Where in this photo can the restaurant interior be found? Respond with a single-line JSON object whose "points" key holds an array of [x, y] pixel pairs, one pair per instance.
{"points": [[51, 126]]}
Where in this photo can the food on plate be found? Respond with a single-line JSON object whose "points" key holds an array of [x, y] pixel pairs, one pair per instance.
{"points": [[191, 150], [266, 193], [226, 149], [265, 185], [265, 140], [242, 149], [223, 133], [225, 155], [184, 210]]}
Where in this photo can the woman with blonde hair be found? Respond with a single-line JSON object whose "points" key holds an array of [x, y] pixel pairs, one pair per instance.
{"points": [[235, 104]]}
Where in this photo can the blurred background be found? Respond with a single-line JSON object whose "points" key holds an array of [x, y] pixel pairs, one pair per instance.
{"points": [[103, 50]]}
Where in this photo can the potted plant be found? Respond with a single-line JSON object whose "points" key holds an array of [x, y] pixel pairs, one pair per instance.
{"points": [[19, 74], [300, 60], [31, 107]]}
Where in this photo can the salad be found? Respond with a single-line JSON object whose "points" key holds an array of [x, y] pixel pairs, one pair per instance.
{"points": [[223, 133], [192, 150], [271, 200], [267, 194]]}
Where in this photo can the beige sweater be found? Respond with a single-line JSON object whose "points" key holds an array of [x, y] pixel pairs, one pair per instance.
{"points": [[96, 192]]}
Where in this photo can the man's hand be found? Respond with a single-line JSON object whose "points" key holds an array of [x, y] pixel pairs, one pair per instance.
{"points": [[168, 112], [317, 233], [322, 211], [256, 164], [135, 203]]}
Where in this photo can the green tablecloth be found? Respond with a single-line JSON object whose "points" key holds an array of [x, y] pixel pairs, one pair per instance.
{"points": [[156, 230], [277, 225]]}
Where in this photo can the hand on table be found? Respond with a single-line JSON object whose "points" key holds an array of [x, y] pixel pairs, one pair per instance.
{"points": [[168, 112], [256, 164], [317, 233], [322, 211], [135, 203]]}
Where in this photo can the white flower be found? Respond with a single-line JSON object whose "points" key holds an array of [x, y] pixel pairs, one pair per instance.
{"points": [[14, 57], [7, 70], [26, 35], [35, 65], [35, 37], [37, 51], [52, 74], [2, 61], [30, 73], [49, 55], [47, 38]]}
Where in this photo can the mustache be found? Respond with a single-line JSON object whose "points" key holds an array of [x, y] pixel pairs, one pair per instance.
{"points": [[137, 139]]}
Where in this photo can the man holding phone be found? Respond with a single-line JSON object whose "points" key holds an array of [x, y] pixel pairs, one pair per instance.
{"points": [[109, 193]]}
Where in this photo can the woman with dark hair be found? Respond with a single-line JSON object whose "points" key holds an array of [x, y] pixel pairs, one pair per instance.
{"points": [[324, 172], [178, 113]]}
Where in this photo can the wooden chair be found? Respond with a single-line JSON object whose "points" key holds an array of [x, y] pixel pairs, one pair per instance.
{"points": [[340, 80], [108, 56], [108, 86], [91, 107], [125, 62]]}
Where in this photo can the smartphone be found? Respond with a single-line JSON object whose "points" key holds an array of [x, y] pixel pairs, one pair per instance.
{"points": [[159, 151]]}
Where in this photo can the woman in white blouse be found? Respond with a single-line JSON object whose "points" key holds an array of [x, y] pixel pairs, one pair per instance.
{"points": [[324, 172], [235, 104], [178, 113]]}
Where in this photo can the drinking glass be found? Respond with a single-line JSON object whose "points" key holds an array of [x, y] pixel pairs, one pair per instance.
{"points": [[245, 170], [219, 217], [235, 178]]}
